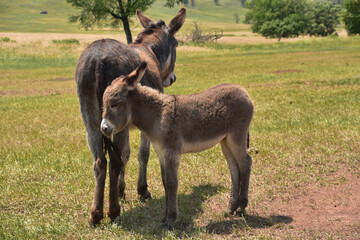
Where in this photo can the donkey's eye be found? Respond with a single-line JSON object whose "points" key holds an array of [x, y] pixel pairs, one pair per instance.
{"points": [[114, 106]]}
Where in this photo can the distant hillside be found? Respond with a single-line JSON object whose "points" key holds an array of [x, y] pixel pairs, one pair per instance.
{"points": [[24, 15]]}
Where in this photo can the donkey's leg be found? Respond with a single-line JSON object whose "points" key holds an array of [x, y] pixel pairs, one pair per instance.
{"points": [[162, 165], [170, 165], [235, 177], [122, 142], [171, 182], [91, 116], [238, 144], [143, 158], [245, 170], [115, 167], [95, 141]]}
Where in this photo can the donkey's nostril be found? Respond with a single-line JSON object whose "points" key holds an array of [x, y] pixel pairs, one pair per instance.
{"points": [[172, 79], [106, 128]]}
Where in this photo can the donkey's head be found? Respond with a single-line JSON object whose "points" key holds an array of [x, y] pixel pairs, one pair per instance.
{"points": [[161, 39], [116, 109]]}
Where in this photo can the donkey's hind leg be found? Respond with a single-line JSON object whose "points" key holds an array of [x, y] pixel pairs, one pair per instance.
{"points": [[235, 177], [143, 158], [95, 141], [238, 147]]}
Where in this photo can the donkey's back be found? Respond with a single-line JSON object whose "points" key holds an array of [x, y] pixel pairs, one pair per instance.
{"points": [[100, 63], [222, 110]]}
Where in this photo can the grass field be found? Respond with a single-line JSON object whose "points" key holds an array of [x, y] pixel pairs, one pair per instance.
{"points": [[304, 135], [305, 130]]}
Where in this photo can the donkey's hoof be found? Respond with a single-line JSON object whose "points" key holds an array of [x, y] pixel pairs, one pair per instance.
{"points": [[228, 213], [122, 195], [114, 213], [146, 196], [243, 202], [241, 213], [166, 226], [95, 218]]}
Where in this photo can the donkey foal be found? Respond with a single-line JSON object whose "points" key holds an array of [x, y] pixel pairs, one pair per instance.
{"points": [[183, 124]]}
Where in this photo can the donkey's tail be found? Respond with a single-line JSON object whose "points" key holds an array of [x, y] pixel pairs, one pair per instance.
{"points": [[113, 151]]}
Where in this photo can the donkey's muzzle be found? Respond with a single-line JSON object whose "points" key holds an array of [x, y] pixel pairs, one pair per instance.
{"points": [[172, 79], [106, 128]]}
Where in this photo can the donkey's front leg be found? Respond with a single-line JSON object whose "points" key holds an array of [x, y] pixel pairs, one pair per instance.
{"points": [[116, 167], [170, 166], [122, 142], [114, 171], [143, 158]]}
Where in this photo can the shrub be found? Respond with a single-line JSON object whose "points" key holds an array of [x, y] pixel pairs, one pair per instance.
{"points": [[6, 39], [66, 41], [324, 19], [278, 18], [351, 16], [197, 35]]}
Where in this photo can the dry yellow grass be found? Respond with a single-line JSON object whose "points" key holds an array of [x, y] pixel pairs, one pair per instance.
{"points": [[236, 37]]}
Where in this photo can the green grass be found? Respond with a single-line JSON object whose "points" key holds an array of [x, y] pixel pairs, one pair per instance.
{"points": [[305, 127]]}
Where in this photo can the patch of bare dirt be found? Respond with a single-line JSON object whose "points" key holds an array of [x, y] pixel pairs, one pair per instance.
{"points": [[330, 209]]}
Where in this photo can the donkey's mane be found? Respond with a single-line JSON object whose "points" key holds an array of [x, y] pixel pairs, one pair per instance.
{"points": [[149, 30]]}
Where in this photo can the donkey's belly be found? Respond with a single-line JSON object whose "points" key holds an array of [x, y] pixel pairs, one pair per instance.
{"points": [[200, 145]]}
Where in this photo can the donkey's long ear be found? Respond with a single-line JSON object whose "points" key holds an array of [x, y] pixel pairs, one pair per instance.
{"points": [[135, 76], [177, 21], [144, 20]]}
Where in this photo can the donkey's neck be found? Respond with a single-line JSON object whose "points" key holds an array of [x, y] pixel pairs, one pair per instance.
{"points": [[157, 50], [147, 106]]}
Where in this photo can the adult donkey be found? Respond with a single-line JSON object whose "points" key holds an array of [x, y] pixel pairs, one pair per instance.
{"points": [[185, 123], [100, 63]]}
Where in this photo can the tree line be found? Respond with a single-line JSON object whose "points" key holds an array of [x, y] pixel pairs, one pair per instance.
{"points": [[270, 18]]}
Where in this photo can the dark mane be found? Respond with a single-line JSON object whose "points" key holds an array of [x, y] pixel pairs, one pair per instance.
{"points": [[149, 30]]}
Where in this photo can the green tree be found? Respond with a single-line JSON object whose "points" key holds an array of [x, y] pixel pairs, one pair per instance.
{"points": [[110, 12], [325, 17], [278, 18], [351, 16]]}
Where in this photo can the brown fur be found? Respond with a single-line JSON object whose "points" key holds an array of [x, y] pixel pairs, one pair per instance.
{"points": [[99, 64], [185, 123]]}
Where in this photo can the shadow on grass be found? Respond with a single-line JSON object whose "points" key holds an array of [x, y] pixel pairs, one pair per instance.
{"points": [[145, 218], [245, 222]]}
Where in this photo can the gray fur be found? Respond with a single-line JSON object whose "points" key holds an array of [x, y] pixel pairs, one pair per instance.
{"points": [[185, 123]]}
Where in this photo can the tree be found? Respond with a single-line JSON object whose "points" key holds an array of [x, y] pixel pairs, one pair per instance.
{"points": [[110, 12], [278, 18], [325, 17], [351, 16]]}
